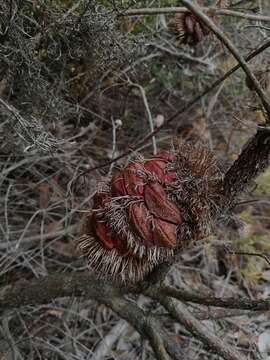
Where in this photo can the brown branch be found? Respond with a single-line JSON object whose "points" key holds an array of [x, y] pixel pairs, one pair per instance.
{"points": [[44, 290], [254, 159], [209, 300], [195, 9], [245, 253], [177, 10], [40, 291], [218, 314], [146, 325], [181, 314]]}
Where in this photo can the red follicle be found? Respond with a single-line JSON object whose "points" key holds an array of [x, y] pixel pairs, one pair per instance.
{"points": [[158, 204], [101, 232], [118, 185], [159, 169], [156, 167], [149, 208], [169, 177], [134, 183], [164, 233], [141, 222]]}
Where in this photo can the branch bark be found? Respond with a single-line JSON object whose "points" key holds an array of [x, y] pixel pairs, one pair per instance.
{"points": [[195, 9], [146, 325], [180, 313], [177, 10], [254, 159], [209, 300], [40, 291]]}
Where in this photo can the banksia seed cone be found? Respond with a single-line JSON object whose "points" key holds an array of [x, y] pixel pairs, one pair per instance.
{"points": [[147, 210], [188, 29]]}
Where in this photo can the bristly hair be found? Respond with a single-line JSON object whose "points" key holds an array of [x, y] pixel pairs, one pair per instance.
{"points": [[194, 191], [111, 264], [117, 220]]}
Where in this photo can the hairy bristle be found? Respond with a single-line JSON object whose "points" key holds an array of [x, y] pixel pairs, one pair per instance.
{"points": [[154, 254], [111, 264]]}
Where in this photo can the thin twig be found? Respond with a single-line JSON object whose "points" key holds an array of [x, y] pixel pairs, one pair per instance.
{"points": [[175, 10], [209, 300], [186, 107], [31, 132], [109, 340], [149, 115], [34, 239], [114, 145], [7, 335], [195, 9], [180, 54], [180, 313], [263, 256]]}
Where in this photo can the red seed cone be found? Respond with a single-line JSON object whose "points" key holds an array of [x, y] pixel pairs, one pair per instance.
{"points": [[188, 29], [147, 210]]}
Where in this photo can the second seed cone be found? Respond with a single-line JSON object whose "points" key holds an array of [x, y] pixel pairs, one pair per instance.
{"points": [[188, 29]]}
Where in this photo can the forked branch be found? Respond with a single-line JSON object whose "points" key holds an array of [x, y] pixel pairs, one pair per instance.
{"points": [[40, 291], [195, 9]]}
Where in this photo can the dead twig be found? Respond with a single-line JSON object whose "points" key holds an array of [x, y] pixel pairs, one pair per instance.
{"points": [[33, 240], [148, 111], [209, 300], [177, 10], [195, 9], [108, 341], [44, 290], [180, 313], [32, 133], [186, 107]]}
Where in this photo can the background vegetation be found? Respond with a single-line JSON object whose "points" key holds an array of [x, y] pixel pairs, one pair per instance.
{"points": [[79, 85]]}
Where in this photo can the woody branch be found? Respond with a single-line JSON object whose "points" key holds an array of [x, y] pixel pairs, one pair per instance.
{"points": [[44, 290], [177, 10]]}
